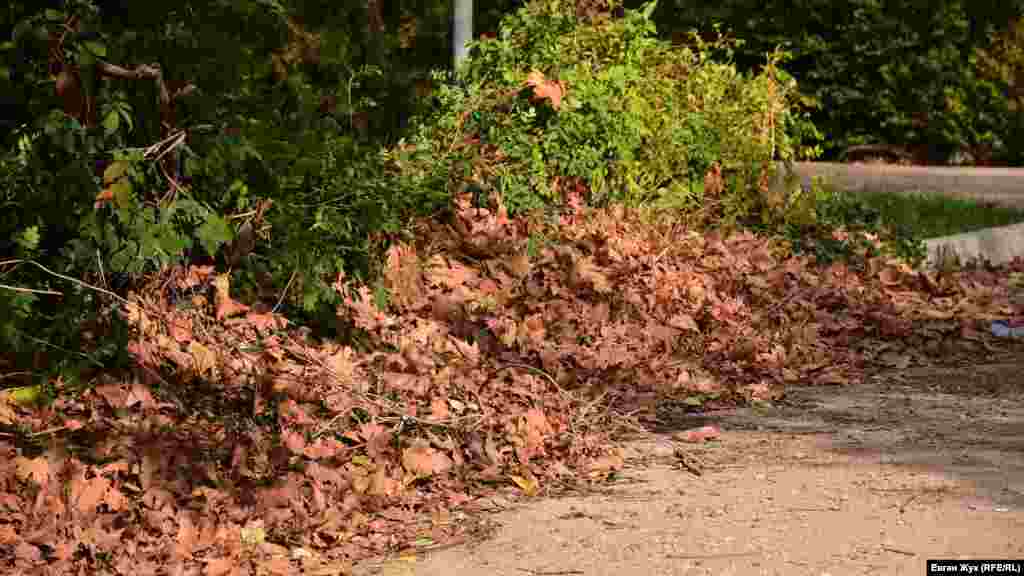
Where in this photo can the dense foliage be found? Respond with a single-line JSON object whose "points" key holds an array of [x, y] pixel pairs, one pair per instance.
{"points": [[237, 132], [559, 104], [907, 74]]}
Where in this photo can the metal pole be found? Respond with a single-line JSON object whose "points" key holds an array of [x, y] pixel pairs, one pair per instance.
{"points": [[463, 32]]}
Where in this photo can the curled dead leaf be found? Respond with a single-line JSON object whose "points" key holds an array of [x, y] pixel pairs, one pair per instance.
{"points": [[701, 434], [421, 459]]}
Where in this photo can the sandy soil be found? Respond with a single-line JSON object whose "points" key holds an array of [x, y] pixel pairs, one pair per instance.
{"points": [[868, 479]]}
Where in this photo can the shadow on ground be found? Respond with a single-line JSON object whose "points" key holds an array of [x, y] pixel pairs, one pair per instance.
{"points": [[965, 422]]}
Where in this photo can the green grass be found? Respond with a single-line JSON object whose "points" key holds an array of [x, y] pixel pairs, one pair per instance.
{"points": [[903, 221], [931, 216]]}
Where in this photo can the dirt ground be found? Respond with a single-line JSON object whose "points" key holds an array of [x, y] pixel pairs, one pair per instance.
{"points": [[867, 479]]}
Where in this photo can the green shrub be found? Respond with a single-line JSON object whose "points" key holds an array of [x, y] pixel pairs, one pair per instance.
{"points": [[267, 117], [555, 100]]}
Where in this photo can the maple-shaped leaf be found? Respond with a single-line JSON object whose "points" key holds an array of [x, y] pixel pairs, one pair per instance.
{"points": [[180, 328], [422, 460], [36, 470], [544, 89], [87, 494], [365, 314]]}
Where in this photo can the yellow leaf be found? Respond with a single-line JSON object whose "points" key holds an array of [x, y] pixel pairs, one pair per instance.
{"points": [[203, 359], [253, 535], [529, 486], [24, 395], [114, 172], [122, 191]]}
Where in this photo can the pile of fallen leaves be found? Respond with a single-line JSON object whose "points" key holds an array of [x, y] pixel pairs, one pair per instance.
{"points": [[508, 354]]}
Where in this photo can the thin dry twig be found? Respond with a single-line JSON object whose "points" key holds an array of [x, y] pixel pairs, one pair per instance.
{"points": [[69, 279], [284, 292], [712, 556], [898, 551], [30, 290]]}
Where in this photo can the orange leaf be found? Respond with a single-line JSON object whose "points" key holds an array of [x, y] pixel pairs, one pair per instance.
{"points": [[37, 470], [422, 460], [105, 195], [90, 493], [219, 567], [700, 434], [545, 89], [529, 486], [187, 535]]}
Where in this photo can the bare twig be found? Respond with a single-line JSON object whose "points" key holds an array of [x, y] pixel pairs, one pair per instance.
{"points": [[898, 551], [70, 279], [30, 290], [535, 370], [712, 556], [284, 292]]}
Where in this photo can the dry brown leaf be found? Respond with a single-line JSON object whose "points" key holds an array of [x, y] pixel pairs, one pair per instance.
{"points": [[544, 89], [35, 470], [204, 360], [116, 395], [180, 328], [527, 483], [701, 434], [421, 460], [87, 494], [186, 538], [220, 567]]}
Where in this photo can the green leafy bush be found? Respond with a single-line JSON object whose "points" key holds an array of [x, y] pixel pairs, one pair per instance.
{"points": [[556, 102], [259, 116]]}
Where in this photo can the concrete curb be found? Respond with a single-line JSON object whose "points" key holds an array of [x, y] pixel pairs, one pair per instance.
{"points": [[995, 245], [1002, 186]]}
